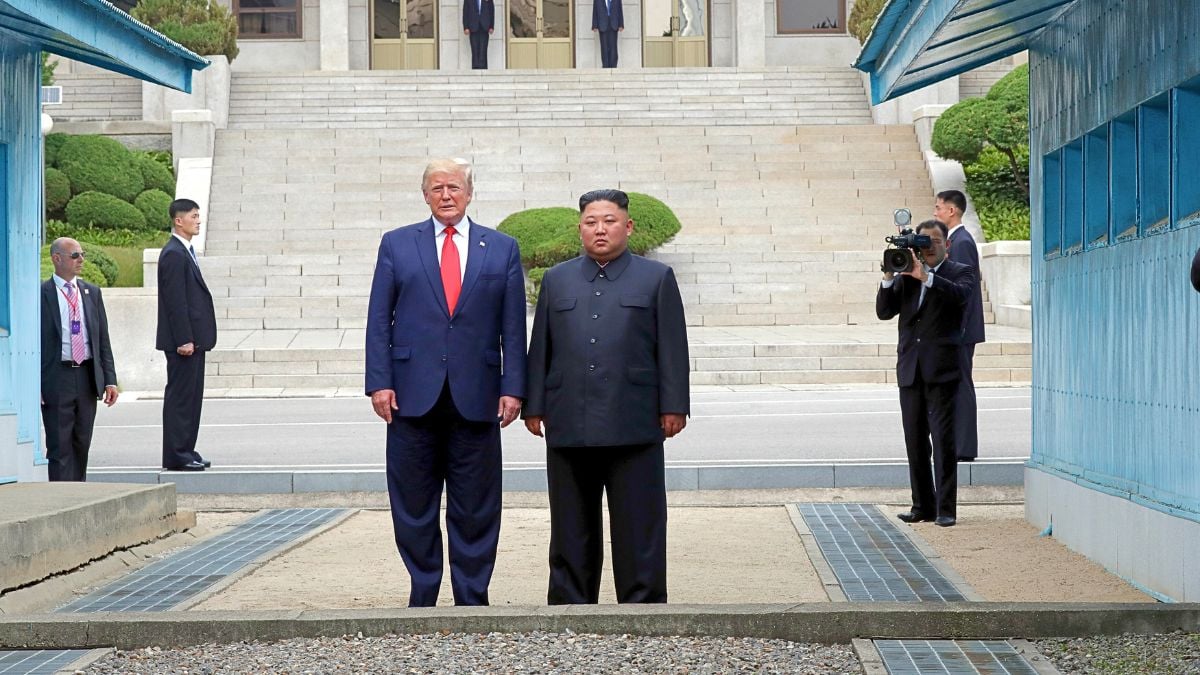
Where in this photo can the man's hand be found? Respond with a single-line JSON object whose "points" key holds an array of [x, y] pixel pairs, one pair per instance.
{"points": [[534, 425], [510, 407], [672, 423], [466, 31], [186, 350], [384, 402], [110, 395], [918, 269], [490, 30]]}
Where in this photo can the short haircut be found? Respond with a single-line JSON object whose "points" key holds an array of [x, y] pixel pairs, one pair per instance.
{"points": [[930, 224], [607, 195], [456, 165], [182, 206], [954, 198]]}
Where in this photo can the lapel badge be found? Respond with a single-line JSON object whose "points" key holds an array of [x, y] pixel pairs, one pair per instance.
{"points": [[85, 291], [483, 244]]}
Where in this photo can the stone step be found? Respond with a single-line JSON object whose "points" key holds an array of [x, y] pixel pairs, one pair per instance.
{"points": [[97, 96]]}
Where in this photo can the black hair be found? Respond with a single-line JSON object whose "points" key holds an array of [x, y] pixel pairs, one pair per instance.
{"points": [[607, 195], [930, 224], [181, 206], [954, 198]]}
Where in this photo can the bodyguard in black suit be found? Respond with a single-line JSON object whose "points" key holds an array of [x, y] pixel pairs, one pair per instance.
{"points": [[930, 299], [608, 19], [77, 362], [961, 248], [479, 19], [187, 328], [608, 377]]}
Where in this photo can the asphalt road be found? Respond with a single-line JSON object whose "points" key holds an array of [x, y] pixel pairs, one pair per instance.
{"points": [[726, 427]]}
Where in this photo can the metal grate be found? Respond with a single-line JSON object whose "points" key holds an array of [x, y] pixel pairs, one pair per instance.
{"points": [[965, 657], [38, 662], [872, 558], [163, 585]]}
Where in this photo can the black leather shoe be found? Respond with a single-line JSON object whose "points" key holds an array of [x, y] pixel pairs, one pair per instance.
{"points": [[913, 517], [190, 466], [207, 464], [945, 521]]}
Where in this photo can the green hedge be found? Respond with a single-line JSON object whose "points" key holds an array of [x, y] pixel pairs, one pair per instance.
{"points": [[204, 27], [154, 174], [155, 205], [58, 190], [100, 164], [53, 144], [91, 272], [119, 238], [103, 211], [98, 256]]}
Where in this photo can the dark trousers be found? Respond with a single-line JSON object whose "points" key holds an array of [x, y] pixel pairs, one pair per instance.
{"points": [[966, 418], [634, 479], [182, 401], [927, 410], [608, 48], [423, 453], [479, 47], [68, 415]]}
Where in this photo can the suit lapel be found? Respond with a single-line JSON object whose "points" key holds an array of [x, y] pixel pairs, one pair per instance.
{"points": [[91, 315], [50, 307], [427, 252], [476, 253]]}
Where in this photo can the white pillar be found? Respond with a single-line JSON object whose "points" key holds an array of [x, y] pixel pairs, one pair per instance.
{"points": [[750, 33], [335, 34]]}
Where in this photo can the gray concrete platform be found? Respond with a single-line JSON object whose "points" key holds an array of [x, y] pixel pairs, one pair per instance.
{"points": [[49, 528]]}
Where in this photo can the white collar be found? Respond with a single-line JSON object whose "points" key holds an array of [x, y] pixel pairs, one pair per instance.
{"points": [[463, 227], [186, 244]]}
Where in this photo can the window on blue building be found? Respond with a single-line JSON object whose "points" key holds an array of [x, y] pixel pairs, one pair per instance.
{"points": [[1186, 119], [1072, 196], [1122, 144], [1052, 203], [1154, 164], [1095, 187]]}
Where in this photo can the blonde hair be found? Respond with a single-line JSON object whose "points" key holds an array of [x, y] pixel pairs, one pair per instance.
{"points": [[452, 166]]}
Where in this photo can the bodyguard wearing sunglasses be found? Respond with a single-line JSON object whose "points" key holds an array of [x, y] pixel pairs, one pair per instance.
{"points": [[77, 362]]}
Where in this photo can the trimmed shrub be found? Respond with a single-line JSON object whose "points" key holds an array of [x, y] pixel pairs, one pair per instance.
{"points": [[100, 164], [862, 18], [53, 143], [120, 238], [990, 176], [204, 27], [654, 223], [1003, 219], [154, 174], [155, 205], [102, 260], [91, 272], [546, 236], [103, 211], [58, 190]]}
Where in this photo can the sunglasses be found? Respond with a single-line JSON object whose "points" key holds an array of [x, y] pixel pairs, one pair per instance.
{"points": [[76, 255]]}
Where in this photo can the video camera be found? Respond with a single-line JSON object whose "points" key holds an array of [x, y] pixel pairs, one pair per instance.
{"points": [[899, 258]]}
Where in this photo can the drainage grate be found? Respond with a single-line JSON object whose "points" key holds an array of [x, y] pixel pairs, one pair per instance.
{"points": [[872, 558], [38, 662], [163, 585], [962, 657]]}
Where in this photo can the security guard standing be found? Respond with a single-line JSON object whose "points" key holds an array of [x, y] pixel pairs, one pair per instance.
{"points": [[608, 377]]}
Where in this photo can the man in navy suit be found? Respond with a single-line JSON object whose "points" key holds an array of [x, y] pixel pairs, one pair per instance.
{"points": [[608, 19], [961, 248], [445, 369], [479, 19], [930, 299], [187, 328]]}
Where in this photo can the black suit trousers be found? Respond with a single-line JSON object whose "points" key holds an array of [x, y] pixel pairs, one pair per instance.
{"points": [[608, 48], [479, 49], [68, 415], [634, 479], [927, 410], [966, 417], [183, 399]]}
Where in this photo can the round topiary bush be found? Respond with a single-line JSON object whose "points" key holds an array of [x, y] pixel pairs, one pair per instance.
{"points": [[546, 236], [96, 209], [52, 145], [155, 205], [654, 223], [154, 174], [58, 190], [96, 163]]}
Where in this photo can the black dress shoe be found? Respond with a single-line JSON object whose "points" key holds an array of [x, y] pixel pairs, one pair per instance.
{"points": [[945, 521], [913, 517], [207, 464], [190, 466]]}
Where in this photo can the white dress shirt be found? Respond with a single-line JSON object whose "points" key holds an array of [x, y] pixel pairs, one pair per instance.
{"points": [[64, 312], [461, 237]]}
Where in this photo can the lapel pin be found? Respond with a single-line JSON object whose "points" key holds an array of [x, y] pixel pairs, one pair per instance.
{"points": [[85, 291], [483, 244]]}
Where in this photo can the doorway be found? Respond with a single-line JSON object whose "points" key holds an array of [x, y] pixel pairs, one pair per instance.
{"points": [[404, 35], [541, 34], [675, 33]]}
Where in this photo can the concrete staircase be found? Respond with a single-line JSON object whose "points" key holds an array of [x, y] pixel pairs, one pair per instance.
{"points": [[783, 216], [97, 96]]}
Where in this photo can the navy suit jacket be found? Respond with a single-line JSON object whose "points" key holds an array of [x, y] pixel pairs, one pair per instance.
{"points": [[414, 345], [963, 250], [96, 321], [930, 331], [185, 305], [475, 20], [610, 18]]}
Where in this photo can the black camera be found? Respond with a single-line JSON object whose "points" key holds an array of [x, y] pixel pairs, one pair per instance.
{"points": [[900, 258]]}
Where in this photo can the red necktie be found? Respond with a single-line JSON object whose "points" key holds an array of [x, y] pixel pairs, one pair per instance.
{"points": [[451, 281]]}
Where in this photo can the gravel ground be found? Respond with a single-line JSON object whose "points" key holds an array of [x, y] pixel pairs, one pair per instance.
{"points": [[1174, 654], [493, 653]]}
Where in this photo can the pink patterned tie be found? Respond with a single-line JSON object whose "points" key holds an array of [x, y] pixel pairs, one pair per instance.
{"points": [[78, 349]]}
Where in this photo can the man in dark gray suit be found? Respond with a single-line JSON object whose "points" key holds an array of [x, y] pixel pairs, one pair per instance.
{"points": [[608, 376]]}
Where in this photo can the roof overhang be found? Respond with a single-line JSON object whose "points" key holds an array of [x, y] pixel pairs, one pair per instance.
{"points": [[916, 43], [97, 33]]}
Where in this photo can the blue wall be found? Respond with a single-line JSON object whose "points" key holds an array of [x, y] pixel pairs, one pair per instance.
{"points": [[20, 229], [1115, 142]]}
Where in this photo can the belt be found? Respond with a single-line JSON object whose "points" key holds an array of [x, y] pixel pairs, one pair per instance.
{"points": [[72, 364]]}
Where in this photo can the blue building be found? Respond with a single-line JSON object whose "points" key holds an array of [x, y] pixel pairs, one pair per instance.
{"points": [[94, 32], [1115, 195]]}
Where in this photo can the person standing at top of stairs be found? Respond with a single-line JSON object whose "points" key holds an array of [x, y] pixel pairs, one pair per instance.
{"points": [[479, 20]]}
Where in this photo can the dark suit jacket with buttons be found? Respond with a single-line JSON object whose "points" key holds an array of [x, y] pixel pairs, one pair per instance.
{"points": [[185, 305], [930, 334], [476, 20], [607, 18], [96, 322], [963, 250], [609, 352]]}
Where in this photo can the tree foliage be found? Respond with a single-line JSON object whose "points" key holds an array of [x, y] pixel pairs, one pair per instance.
{"points": [[1000, 120], [863, 16], [202, 26]]}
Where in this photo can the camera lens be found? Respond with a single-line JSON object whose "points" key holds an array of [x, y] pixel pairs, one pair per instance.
{"points": [[897, 260]]}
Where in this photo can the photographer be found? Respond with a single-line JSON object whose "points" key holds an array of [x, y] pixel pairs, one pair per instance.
{"points": [[930, 297]]}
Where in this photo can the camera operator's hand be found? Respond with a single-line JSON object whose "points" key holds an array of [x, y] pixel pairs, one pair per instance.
{"points": [[918, 271]]}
